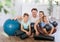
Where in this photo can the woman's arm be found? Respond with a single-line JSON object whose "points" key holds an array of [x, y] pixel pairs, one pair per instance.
{"points": [[35, 26]]}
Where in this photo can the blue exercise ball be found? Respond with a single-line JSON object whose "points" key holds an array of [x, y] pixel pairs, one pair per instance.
{"points": [[10, 27]]}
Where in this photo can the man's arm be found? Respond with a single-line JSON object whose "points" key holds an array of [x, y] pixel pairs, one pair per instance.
{"points": [[18, 17]]}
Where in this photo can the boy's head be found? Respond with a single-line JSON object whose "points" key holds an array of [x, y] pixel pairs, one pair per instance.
{"points": [[41, 14], [34, 12], [26, 16]]}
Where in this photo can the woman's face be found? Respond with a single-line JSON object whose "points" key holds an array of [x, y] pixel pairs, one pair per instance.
{"points": [[41, 15]]}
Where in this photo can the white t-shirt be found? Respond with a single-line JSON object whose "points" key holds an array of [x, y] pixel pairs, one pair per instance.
{"points": [[32, 19]]}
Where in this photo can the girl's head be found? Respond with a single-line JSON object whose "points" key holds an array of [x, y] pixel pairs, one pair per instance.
{"points": [[25, 16], [41, 14], [44, 18]]}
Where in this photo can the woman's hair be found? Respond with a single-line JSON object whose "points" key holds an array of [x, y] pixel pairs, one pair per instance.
{"points": [[25, 14], [41, 12], [43, 18]]}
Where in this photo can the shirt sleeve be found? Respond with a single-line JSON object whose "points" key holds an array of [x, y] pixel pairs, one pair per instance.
{"points": [[42, 24]]}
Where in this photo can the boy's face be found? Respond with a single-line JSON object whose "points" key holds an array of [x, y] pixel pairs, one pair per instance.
{"points": [[26, 18], [34, 13], [40, 15]]}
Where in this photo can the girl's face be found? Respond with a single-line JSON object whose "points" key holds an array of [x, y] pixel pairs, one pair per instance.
{"points": [[26, 18], [45, 19], [41, 15]]}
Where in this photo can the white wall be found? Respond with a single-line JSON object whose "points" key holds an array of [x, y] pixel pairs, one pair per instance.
{"points": [[17, 8], [27, 8], [22, 8]]}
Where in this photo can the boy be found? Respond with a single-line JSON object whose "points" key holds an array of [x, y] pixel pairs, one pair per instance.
{"points": [[25, 24]]}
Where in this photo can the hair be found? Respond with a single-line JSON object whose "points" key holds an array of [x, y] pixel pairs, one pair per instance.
{"points": [[41, 12], [34, 9], [26, 14], [43, 17]]}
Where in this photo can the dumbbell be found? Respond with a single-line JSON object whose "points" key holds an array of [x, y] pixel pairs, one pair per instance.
{"points": [[55, 24], [23, 36], [18, 33], [43, 37]]}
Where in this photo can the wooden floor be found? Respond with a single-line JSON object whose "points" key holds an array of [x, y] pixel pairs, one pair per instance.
{"points": [[5, 38], [15, 39]]}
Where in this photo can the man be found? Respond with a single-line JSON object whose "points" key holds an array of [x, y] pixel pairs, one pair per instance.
{"points": [[34, 17]]}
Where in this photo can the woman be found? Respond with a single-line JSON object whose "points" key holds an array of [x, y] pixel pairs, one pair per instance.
{"points": [[41, 14]]}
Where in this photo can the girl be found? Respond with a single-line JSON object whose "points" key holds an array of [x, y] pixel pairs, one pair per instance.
{"points": [[44, 24]]}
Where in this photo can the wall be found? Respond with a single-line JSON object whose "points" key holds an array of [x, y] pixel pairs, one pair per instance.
{"points": [[22, 8]]}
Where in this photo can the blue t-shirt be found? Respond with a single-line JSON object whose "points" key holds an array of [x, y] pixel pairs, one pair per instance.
{"points": [[25, 25], [43, 24]]}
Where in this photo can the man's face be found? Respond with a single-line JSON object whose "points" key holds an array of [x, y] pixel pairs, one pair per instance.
{"points": [[34, 13]]}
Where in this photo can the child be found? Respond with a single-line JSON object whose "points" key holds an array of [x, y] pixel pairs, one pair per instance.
{"points": [[45, 21], [25, 24]]}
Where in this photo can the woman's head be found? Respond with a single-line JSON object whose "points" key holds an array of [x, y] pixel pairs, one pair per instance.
{"points": [[41, 14], [26, 16]]}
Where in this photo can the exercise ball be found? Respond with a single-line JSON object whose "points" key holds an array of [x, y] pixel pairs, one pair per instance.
{"points": [[10, 26], [54, 24]]}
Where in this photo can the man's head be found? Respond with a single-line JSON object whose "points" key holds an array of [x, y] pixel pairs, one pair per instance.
{"points": [[26, 16], [34, 12]]}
